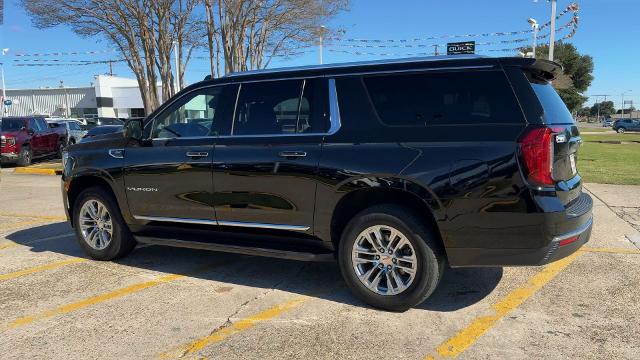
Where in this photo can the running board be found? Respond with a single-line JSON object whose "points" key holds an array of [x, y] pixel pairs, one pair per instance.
{"points": [[246, 250]]}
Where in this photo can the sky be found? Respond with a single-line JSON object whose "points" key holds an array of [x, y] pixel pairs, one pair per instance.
{"points": [[607, 31]]}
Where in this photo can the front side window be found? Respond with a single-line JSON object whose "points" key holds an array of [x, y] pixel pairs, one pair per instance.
{"points": [[282, 107], [451, 98], [196, 114]]}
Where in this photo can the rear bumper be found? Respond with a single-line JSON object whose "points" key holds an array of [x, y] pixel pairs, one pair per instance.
{"points": [[573, 231]]}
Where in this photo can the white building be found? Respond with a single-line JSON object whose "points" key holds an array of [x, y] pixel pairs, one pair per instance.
{"points": [[109, 97]]}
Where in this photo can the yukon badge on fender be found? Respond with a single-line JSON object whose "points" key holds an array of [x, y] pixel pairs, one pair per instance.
{"points": [[145, 189]]}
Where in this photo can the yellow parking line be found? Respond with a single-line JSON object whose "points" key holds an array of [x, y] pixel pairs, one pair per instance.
{"points": [[40, 268], [239, 326], [6, 246], [19, 224], [65, 309], [34, 216], [36, 171], [466, 337], [611, 250]]}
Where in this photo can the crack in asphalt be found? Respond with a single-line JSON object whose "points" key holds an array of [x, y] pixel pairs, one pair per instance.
{"points": [[240, 307]]}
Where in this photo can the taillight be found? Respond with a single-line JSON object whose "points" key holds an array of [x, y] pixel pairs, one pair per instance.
{"points": [[536, 147]]}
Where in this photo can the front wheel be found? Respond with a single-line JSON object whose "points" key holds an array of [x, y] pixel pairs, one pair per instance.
{"points": [[389, 258], [99, 226], [25, 157], [621, 130]]}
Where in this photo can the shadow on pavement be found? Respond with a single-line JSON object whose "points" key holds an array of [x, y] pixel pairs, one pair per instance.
{"points": [[458, 289]]}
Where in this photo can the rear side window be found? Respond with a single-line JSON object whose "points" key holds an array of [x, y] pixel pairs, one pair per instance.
{"points": [[555, 111], [455, 98], [282, 107]]}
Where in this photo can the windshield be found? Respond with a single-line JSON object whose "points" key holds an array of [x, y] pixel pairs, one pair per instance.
{"points": [[11, 124], [555, 111]]}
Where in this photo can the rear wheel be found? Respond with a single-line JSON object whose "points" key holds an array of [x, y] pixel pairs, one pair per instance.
{"points": [[25, 157], [621, 130], [99, 226], [389, 258]]}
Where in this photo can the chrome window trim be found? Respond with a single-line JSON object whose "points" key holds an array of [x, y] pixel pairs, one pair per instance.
{"points": [[223, 223], [334, 119]]}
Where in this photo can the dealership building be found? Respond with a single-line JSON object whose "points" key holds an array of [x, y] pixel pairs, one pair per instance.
{"points": [[110, 96]]}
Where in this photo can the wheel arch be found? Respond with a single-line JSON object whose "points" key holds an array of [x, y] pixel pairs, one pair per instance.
{"points": [[84, 181], [397, 191]]}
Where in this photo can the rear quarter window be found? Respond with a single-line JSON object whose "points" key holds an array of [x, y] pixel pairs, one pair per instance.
{"points": [[451, 98], [555, 111]]}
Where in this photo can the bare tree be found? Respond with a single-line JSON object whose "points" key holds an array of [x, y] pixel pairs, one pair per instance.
{"points": [[249, 33], [142, 30]]}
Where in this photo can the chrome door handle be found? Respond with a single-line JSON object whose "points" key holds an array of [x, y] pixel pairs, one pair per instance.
{"points": [[197, 154], [290, 154]]}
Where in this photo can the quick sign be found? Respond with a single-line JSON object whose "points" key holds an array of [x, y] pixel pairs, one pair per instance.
{"points": [[468, 47]]}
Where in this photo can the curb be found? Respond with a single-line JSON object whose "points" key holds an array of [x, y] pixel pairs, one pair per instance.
{"points": [[36, 171]]}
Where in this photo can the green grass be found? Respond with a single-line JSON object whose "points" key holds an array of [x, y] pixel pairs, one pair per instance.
{"points": [[609, 163], [593, 129], [611, 137]]}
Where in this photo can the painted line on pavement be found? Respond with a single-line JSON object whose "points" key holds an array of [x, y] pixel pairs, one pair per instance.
{"points": [[44, 217], [97, 299], [6, 246], [20, 224], [36, 171], [611, 250], [465, 338], [36, 269], [234, 328]]}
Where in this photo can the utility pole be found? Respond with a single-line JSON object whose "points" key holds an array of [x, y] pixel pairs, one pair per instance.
{"points": [[177, 78], [435, 50], [534, 25], [110, 67], [552, 36], [622, 95], [320, 50], [5, 110]]}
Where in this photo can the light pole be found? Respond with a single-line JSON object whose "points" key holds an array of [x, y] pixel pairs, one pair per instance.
{"points": [[552, 36], [622, 95], [534, 26], [320, 51]]}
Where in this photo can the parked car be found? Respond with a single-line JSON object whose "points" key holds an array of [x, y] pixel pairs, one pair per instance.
{"points": [[607, 122], [394, 168], [26, 138], [624, 125], [101, 130], [72, 127]]}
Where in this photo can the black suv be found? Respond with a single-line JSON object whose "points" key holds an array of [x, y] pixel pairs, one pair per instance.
{"points": [[393, 168]]}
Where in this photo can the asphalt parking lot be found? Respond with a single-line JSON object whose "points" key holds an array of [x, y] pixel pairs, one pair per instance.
{"points": [[176, 303]]}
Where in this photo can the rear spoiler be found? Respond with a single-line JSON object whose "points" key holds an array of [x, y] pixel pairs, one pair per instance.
{"points": [[540, 69]]}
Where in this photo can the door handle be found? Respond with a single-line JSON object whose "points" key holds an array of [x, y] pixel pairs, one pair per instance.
{"points": [[292, 154], [197, 154]]}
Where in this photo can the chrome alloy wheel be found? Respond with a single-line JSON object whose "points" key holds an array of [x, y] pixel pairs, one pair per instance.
{"points": [[95, 224], [384, 260]]}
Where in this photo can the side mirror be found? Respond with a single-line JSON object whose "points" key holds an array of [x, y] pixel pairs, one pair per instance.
{"points": [[30, 131], [133, 129]]}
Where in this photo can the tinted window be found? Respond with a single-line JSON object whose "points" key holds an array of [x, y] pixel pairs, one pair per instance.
{"points": [[268, 108], [555, 111], [314, 107], [74, 125], [33, 125], [11, 124], [443, 98], [195, 114]]}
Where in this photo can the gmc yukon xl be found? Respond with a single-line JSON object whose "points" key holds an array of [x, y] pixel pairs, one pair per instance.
{"points": [[392, 168]]}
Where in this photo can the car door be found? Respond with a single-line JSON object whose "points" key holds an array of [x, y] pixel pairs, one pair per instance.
{"points": [[265, 172], [168, 174], [38, 138], [49, 135]]}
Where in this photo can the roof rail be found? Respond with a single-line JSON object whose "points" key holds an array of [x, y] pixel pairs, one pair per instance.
{"points": [[354, 64]]}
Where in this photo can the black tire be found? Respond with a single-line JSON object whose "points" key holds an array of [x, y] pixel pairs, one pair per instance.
{"points": [[428, 251], [621, 130], [26, 156], [60, 150], [72, 141], [122, 242]]}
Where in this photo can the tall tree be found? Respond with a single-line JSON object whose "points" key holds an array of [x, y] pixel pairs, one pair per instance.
{"points": [[604, 108], [249, 33], [577, 76], [142, 30]]}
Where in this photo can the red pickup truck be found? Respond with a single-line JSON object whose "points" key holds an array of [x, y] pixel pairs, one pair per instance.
{"points": [[23, 139]]}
